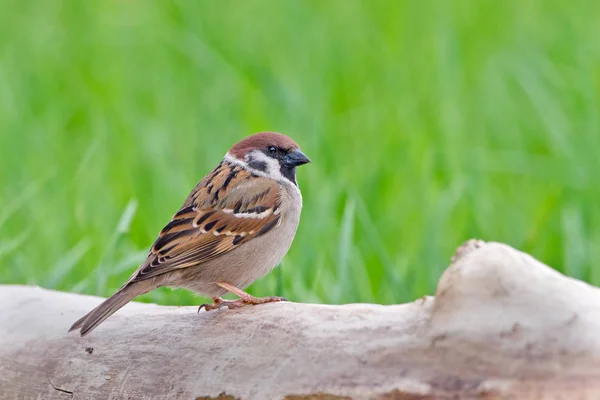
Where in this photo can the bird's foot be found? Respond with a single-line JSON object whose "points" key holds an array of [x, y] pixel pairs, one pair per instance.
{"points": [[217, 304], [245, 300]]}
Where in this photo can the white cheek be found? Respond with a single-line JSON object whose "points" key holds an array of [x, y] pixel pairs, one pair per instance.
{"points": [[273, 170]]}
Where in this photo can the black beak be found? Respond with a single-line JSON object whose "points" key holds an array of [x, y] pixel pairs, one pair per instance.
{"points": [[295, 158]]}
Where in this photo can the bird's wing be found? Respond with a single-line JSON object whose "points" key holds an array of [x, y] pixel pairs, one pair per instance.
{"points": [[226, 209]]}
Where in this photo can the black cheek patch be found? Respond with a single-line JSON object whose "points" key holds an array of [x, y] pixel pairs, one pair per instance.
{"points": [[258, 165]]}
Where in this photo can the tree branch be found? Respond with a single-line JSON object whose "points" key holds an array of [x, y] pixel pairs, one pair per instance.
{"points": [[501, 324]]}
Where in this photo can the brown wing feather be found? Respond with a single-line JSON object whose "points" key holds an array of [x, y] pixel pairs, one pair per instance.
{"points": [[229, 207]]}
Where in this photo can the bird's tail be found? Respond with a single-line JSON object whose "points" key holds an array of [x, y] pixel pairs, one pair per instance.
{"points": [[108, 307]]}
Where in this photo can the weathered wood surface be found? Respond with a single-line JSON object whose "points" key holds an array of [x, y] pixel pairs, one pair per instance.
{"points": [[502, 325]]}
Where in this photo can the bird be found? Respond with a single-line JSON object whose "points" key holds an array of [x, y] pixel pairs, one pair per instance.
{"points": [[235, 226]]}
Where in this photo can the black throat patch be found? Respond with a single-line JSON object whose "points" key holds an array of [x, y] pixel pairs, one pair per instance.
{"points": [[289, 173]]}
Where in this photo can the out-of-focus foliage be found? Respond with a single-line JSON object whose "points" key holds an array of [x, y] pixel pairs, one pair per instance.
{"points": [[428, 123]]}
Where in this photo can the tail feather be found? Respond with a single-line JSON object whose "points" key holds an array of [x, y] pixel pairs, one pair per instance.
{"points": [[108, 307]]}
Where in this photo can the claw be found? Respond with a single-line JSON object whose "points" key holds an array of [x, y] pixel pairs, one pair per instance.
{"points": [[217, 303], [205, 306]]}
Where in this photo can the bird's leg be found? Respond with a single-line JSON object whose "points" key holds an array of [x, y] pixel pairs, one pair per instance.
{"points": [[246, 298]]}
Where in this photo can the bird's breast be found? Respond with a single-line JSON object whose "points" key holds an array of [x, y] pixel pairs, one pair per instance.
{"points": [[253, 259]]}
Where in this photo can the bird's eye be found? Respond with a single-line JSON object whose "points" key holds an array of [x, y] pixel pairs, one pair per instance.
{"points": [[272, 149]]}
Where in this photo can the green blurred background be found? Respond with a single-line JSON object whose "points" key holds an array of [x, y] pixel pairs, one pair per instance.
{"points": [[428, 123]]}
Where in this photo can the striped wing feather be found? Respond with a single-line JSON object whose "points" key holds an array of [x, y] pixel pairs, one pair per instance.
{"points": [[228, 208]]}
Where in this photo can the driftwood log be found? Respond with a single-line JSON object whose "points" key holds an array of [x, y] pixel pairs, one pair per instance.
{"points": [[501, 325]]}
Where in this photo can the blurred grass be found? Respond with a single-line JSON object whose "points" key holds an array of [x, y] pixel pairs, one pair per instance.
{"points": [[428, 123]]}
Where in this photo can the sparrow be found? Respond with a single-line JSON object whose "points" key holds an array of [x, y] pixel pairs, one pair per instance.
{"points": [[235, 226]]}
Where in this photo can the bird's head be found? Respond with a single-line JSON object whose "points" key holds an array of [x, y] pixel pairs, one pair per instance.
{"points": [[269, 154]]}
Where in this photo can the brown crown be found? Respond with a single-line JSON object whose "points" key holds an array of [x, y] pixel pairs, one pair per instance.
{"points": [[260, 141]]}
